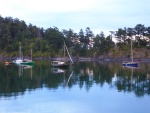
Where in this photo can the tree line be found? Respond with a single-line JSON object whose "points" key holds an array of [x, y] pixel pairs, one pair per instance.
{"points": [[49, 42]]}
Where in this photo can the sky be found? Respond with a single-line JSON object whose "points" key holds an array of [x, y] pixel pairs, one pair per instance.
{"points": [[98, 15]]}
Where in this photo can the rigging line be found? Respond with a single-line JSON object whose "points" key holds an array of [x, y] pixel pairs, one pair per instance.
{"points": [[69, 78], [69, 54]]}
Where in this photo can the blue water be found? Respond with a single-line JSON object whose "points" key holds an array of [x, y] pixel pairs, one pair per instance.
{"points": [[79, 95]]}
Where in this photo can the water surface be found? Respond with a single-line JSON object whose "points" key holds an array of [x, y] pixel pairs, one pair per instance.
{"points": [[90, 87]]}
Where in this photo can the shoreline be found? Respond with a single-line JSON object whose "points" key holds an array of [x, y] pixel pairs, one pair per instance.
{"points": [[82, 59]]}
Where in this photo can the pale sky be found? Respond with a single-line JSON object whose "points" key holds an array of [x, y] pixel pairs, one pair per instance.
{"points": [[99, 15]]}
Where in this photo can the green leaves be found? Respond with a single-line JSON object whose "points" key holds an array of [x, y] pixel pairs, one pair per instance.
{"points": [[50, 40]]}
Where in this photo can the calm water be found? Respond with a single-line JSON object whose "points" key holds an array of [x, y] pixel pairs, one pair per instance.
{"points": [[86, 87]]}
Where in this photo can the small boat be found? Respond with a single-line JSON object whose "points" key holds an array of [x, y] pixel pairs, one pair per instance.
{"points": [[131, 63], [27, 62], [8, 63], [62, 64], [20, 60]]}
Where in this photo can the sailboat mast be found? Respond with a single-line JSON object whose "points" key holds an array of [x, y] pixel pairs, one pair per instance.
{"points": [[131, 50], [64, 53], [20, 52], [31, 54]]}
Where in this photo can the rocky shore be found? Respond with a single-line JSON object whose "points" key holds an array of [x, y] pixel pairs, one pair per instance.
{"points": [[82, 59]]}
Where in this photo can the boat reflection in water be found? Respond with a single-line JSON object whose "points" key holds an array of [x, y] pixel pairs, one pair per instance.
{"points": [[81, 74], [90, 87], [22, 68], [64, 73], [132, 80], [57, 70]]}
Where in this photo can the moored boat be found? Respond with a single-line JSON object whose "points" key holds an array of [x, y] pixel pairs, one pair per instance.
{"points": [[20, 59], [23, 61], [27, 62], [7, 63], [131, 63], [64, 63], [59, 64]]}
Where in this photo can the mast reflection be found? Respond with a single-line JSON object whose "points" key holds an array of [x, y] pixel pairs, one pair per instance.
{"points": [[19, 78]]}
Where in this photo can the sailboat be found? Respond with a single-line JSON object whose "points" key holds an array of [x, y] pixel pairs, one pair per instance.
{"points": [[20, 59], [131, 63], [62, 64], [27, 61]]}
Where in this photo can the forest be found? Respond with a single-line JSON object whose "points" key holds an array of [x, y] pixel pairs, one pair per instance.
{"points": [[49, 42]]}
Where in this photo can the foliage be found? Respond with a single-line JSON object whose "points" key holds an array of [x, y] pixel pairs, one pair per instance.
{"points": [[49, 42]]}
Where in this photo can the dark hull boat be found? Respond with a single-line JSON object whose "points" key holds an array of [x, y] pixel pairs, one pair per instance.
{"points": [[130, 63]]}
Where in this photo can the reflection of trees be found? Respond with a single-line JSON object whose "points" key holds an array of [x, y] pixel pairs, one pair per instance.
{"points": [[16, 80], [85, 75], [132, 80], [89, 73]]}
